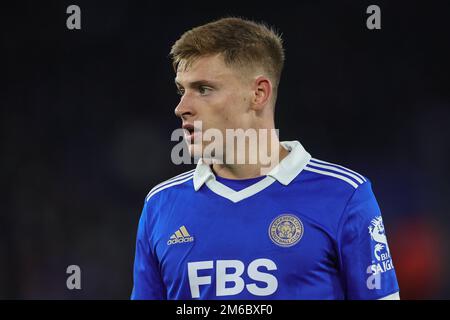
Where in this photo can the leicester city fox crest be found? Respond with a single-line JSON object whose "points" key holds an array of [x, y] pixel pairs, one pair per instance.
{"points": [[286, 230]]}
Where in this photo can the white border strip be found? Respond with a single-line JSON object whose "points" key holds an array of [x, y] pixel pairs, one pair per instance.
{"points": [[182, 175], [337, 165], [236, 196], [336, 170], [351, 182], [394, 296], [152, 193]]}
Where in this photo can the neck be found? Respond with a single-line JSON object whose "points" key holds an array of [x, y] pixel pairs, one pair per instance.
{"points": [[248, 171]]}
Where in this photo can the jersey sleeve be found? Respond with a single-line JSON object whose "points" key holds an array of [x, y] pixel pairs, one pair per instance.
{"points": [[365, 260], [147, 279]]}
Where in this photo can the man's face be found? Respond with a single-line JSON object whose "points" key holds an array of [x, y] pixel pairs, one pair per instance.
{"points": [[215, 94]]}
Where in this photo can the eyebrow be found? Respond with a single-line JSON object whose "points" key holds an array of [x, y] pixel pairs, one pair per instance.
{"points": [[196, 84]]}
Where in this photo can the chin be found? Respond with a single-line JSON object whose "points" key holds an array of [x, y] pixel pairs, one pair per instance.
{"points": [[195, 151]]}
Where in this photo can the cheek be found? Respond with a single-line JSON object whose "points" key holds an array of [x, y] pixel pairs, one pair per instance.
{"points": [[214, 114], [222, 109], [225, 111]]}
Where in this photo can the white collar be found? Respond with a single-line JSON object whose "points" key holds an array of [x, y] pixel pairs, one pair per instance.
{"points": [[284, 172]]}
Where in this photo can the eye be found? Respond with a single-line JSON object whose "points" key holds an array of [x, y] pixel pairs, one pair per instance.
{"points": [[180, 91], [204, 90]]}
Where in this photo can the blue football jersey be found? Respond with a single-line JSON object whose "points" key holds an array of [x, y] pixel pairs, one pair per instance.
{"points": [[308, 229]]}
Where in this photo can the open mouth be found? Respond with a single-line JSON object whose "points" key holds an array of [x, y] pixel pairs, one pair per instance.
{"points": [[190, 131]]}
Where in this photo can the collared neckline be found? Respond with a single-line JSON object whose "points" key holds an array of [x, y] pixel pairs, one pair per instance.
{"points": [[286, 171]]}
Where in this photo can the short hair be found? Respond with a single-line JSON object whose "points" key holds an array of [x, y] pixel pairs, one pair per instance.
{"points": [[242, 43]]}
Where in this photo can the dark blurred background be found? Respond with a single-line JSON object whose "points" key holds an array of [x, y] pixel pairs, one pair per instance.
{"points": [[86, 119]]}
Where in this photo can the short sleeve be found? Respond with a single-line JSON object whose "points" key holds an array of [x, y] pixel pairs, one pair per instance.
{"points": [[148, 284], [366, 265]]}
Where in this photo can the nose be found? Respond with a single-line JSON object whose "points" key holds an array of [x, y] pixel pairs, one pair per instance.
{"points": [[184, 109]]}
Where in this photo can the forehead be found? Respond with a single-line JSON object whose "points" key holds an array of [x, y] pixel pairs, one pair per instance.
{"points": [[210, 68]]}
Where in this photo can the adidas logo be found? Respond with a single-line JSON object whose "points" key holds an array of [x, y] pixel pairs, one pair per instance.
{"points": [[180, 236]]}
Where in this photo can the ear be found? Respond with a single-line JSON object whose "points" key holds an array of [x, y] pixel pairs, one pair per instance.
{"points": [[262, 92]]}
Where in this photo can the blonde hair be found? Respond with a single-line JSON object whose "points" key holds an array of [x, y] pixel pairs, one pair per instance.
{"points": [[243, 44]]}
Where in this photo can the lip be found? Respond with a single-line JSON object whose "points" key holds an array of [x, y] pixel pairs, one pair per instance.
{"points": [[190, 132], [187, 126]]}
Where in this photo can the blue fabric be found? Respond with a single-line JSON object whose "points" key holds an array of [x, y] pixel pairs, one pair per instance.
{"points": [[317, 238]]}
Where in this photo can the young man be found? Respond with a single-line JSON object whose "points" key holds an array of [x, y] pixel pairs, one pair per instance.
{"points": [[295, 228]]}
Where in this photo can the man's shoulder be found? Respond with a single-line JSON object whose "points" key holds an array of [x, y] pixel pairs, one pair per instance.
{"points": [[334, 175], [327, 189], [173, 183]]}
